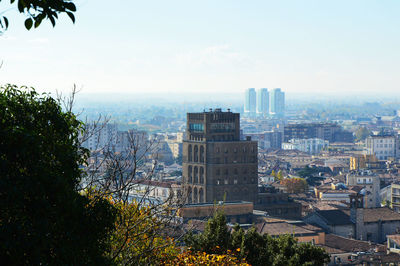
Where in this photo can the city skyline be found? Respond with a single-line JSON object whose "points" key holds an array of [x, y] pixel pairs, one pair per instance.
{"points": [[314, 47]]}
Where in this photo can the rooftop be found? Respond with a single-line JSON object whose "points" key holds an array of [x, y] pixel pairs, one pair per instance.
{"points": [[371, 215], [276, 227], [339, 244], [239, 202]]}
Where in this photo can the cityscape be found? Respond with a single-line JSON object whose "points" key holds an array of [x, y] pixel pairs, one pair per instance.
{"points": [[264, 134], [299, 172]]}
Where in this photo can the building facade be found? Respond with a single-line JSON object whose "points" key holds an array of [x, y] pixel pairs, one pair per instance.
{"points": [[371, 187], [250, 102], [361, 161], [326, 131], [262, 102], [382, 146], [217, 165], [101, 137], [277, 103], [395, 197], [310, 146]]}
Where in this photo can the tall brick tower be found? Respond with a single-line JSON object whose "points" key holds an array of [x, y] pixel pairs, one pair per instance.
{"points": [[217, 165]]}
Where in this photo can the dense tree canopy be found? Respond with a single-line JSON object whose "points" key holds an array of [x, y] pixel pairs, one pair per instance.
{"points": [[43, 218], [38, 10], [362, 133], [254, 248], [295, 185]]}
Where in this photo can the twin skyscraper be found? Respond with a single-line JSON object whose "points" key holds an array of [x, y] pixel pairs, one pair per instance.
{"points": [[264, 103]]}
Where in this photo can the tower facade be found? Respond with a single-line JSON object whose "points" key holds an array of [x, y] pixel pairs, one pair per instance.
{"points": [[262, 102], [217, 165], [277, 103], [250, 102]]}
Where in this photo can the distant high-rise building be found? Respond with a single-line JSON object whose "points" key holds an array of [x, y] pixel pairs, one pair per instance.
{"points": [[277, 103], [250, 102], [262, 102]]}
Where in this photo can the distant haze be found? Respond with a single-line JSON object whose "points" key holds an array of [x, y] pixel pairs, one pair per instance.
{"points": [[211, 49]]}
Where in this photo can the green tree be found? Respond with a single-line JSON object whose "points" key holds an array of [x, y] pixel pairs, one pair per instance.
{"points": [[362, 133], [215, 239], [43, 217], [38, 10], [307, 171], [273, 173], [280, 175], [295, 185], [253, 247]]}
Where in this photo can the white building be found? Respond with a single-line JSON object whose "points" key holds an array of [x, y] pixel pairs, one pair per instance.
{"points": [[277, 103], [262, 102], [310, 146], [250, 102], [100, 136], [371, 187], [382, 146]]}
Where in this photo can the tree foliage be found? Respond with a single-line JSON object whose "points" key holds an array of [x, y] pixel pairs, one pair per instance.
{"points": [[43, 219], [280, 175], [307, 171], [215, 238], [202, 258], [295, 185], [139, 237], [362, 133], [38, 10], [254, 248]]}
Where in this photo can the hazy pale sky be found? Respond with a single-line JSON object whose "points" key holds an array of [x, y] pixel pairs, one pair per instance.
{"points": [[348, 47]]}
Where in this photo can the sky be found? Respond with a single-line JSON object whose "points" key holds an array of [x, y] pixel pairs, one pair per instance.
{"points": [[211, 47]]}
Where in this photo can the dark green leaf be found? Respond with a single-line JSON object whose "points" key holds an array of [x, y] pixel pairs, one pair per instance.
{"points": [[6, 21], [28, 23], [21, 6], [70, 6], [71, 16], [37, 22], [52, 20]]}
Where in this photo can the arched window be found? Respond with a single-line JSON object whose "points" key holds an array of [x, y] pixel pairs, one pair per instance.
{"points": [[202, 154], [189, 195], [201, 195], [196, 153], [196, 175], [201, 175], [190, 153], [195, 196], [190, 174]]}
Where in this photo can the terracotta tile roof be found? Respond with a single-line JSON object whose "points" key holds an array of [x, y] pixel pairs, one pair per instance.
{"points": [[347, 244], [298, 228], [331, 250], [372, 215], [342, 217], [335, 217], [383, 214]]}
